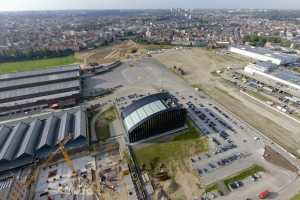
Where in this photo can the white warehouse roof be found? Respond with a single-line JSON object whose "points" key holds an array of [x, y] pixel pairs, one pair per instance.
{"points": [[264, 54]]}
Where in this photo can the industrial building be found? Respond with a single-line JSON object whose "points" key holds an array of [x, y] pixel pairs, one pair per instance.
{"points": [[260, 66], [26, 91], [22, 142], [279, 78], [264, 54], [152, 115]]}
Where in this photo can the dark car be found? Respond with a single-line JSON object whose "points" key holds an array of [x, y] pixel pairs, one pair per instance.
{"points": [[212, 165], [200, 172], [233, 186]]}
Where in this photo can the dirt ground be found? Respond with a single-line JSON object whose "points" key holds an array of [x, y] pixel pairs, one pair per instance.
{"points": [[175, 151], [277, 159], [109, 54], [199, 65], [184, 184]]}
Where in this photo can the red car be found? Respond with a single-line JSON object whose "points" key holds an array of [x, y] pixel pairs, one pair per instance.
{"points": [[264, 194]]}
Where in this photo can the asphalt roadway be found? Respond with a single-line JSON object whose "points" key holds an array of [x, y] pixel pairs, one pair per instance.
{"points": [[149, 76]]}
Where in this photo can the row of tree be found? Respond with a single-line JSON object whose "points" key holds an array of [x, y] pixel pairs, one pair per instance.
{"points": [[12, 56], [256, 40]]}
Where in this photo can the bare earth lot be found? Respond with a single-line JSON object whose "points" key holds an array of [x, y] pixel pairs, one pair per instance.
{"points": [[198, 65], [110, 53], [171, 154]]}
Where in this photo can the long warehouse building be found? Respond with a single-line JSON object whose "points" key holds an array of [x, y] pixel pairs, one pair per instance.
{"points": [[26, 91], [151, 116], [277, 77], [22, 143], [264, 54]]}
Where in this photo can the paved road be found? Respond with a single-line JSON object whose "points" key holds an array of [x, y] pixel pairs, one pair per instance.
{"points": [[150, 76]]}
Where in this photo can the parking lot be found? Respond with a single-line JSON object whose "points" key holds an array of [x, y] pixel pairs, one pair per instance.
{"points": [[233, 148], [234, 145]]}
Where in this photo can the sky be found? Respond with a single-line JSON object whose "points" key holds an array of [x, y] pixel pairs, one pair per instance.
{"points": [[16, 5]]}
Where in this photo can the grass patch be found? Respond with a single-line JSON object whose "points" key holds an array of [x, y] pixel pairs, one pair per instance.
{"points": [[176, 150], [297, 197], [110, 114], [212, 187], [258, 95], [103, 132], [222, 58], [297, 70], [243, 174], [154, 47], [36, 64], [103, 122]]}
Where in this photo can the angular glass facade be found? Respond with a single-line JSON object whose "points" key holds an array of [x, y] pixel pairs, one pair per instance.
{"points": [[151, 116]]}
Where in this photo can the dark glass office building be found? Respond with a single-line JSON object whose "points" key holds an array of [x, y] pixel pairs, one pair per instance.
{"points": [[151, 116]]}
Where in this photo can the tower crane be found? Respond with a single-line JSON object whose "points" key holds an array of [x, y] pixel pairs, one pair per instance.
{"points": [[60, 148]]}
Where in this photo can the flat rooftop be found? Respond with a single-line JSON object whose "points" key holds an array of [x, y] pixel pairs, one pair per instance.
{"points": [[36, 99], [280, 73], [286, 75], [37, 80], [266, 52], [6, 96], [55, 70]]}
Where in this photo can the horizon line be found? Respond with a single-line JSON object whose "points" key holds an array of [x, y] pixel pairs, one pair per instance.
{"points": [[128, 9]]}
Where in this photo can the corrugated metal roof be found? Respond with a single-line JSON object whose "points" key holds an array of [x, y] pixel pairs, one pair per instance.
{"points": [[142, 113], [36, 99], [38, 89], [48, 134], [284, 57], [30, 139], [39, 72], [64, 129], [4, 132], [80, 124], [13, 142], [37, 80]]}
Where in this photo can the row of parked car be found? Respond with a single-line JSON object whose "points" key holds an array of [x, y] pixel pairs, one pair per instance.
{"points": [[230, 159], [224, 148], [201, 115], [224, 161]]}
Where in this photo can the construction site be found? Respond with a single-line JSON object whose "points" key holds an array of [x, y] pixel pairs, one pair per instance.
{"points": [[110, 54], [71, 175], [82, 152], [50, 157]]}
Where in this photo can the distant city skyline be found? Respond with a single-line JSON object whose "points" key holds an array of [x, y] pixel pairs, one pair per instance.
{"points": [[18, 5]]}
